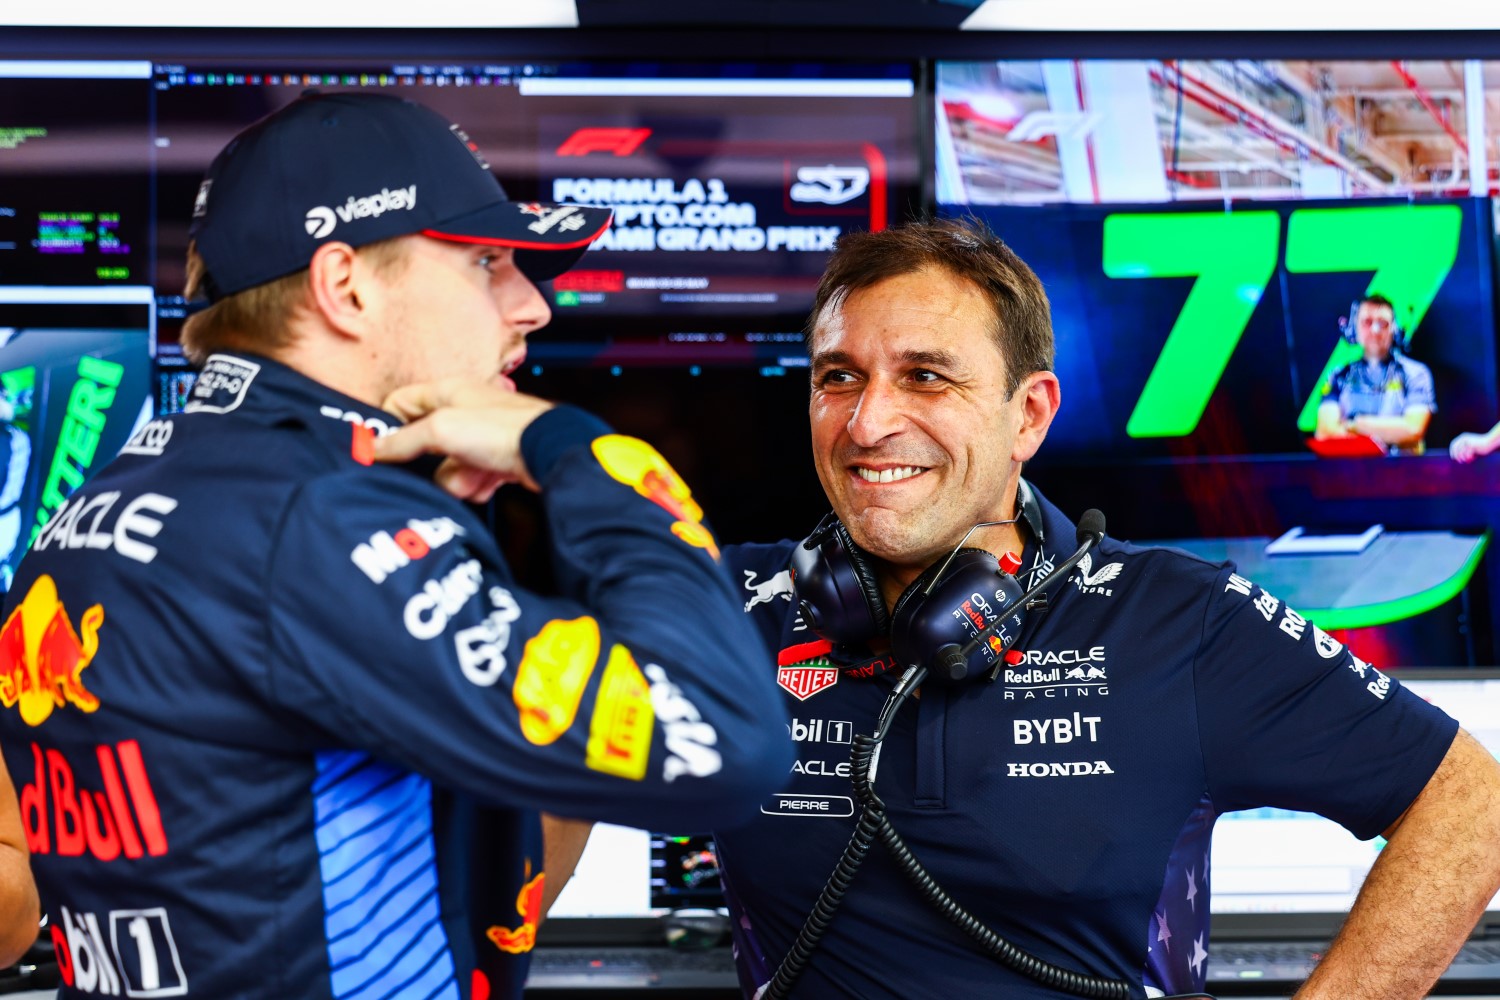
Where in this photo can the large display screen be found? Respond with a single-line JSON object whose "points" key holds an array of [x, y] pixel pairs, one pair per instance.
{"points": [[1206, 230], [729, 183]]}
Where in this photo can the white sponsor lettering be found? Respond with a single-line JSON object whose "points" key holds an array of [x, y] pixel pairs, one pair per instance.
{"points": [[1380, 686], [779, 585], [481, 648], [1292, 623], [1266, 605], [1063, 730], [227, 377], [792, 804], [690, 741], [1059, 769], [428, 612], [150, 439], [321, 219], [1064, 656], [565, 217], [1058, 691], [1238, 584], [821, 731], [376, 205], [821, 768], [93, 972], [141, 959], [80, 523], [385, 553]]}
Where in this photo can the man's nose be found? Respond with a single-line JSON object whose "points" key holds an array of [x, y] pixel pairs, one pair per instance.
{"points": [[877, 415], [523, 306]]}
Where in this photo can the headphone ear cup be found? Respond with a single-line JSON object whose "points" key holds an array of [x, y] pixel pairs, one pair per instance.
{"points": [[971, 594], [911, 597], [837, 592], [1350, 326]]}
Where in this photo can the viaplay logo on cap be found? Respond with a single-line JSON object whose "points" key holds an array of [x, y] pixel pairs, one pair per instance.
{"points": [[321, 220]]}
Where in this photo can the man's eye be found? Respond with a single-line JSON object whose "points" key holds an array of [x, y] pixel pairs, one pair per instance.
{"points": [[487, 261], [835, 376], [925, 376]]}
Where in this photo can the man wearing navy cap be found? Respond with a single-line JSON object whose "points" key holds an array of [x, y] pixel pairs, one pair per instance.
{"points": [[281, 718]]}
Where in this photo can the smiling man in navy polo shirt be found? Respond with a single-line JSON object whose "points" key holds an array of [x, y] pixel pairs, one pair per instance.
{"points": [[1069, 806]]}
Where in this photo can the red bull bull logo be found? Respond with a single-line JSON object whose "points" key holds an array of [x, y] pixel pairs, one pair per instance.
{"points": [[41, 657], [519, 940], [638, 465]]}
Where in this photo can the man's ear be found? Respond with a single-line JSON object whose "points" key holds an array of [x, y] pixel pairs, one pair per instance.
{"points": [[338, 288], [1041, 395]]}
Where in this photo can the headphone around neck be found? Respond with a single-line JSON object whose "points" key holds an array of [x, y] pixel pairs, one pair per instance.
{"points": [[838, 594]]}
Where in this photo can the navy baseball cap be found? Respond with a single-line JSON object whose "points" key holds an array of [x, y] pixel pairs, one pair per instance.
{"points": [[362, 167]]}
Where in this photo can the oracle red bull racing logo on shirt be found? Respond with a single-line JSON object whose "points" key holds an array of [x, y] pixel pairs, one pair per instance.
{"points": [[42, 657], [638, 465]]}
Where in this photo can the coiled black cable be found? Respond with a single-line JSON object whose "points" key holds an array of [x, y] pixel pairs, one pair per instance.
{"points": [[873, 821]]}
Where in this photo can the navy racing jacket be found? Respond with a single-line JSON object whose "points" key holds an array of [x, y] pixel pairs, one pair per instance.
{"points": [[281, 720]]}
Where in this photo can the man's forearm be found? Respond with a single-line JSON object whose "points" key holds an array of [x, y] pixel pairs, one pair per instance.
{"points": [[1425, 892], [1403, 431], [563, 842]]}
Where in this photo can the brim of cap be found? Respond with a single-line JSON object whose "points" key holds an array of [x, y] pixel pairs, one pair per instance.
{"points": [[545, 235]]}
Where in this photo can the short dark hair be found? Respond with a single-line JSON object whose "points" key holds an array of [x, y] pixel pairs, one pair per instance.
{"points": [[1376, 299], [967, 249]]}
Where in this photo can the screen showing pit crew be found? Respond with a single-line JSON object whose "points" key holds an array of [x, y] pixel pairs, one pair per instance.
{"points": [[1274, 302], [729, 183]]}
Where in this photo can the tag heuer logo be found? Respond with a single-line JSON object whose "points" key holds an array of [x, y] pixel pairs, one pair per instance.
{"points": [[803, 681]]}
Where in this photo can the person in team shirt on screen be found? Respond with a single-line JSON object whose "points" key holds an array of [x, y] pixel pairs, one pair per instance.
{"points": [[1384, 394]]}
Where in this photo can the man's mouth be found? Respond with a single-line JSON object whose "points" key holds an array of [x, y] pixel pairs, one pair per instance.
{"points": [[505, 372], [888, 475]]}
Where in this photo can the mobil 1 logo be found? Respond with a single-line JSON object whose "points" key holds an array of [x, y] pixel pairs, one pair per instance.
{"points": [[821, 731]]}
